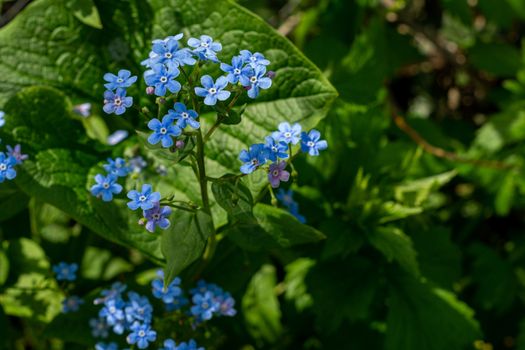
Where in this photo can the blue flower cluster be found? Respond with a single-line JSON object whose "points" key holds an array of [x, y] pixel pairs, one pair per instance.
{"points": [[68, 273], [134, 316], [277, 148], [10, 159], [153, 214], [286, 198], [106, 186], [172, 125], [169, 344], [207, 299], [115, 99]]}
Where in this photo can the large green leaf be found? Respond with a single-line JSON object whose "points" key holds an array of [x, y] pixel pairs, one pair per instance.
{"points": [[184, 242], [421, 317]]}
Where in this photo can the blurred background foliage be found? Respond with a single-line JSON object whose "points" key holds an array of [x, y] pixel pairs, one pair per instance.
{"points": [[420, 196]]}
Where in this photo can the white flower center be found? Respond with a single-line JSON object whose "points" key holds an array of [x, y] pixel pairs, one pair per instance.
{"points": [[310, 143], [142, 198], [163, 131], [156, 216], [203, 44], [117, 101], [255, 161], [253, 80], [253, 59], [120, 80], [205, 305], [142, 333], [184, 115], [275, 173], [163, 79], [105, 185], [112, 309], [274, 148], [237, 71], [3, 167], [168, 55], [287, 134], [212, 91]]}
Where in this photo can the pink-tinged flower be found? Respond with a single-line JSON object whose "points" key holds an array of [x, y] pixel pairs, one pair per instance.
{"points": [[276, 174]]}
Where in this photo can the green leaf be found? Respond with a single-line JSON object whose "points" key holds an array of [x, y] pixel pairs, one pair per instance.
{"points": [[336, 298], [233, 196], [35, 294], [12, 200], [505, 195], [395, 245], [184, 241], [4, 267], [86, 12], [421, 317], [505, 64], [100, 264], [271, 228], [414, 193], [294, 281], [260, 306]]}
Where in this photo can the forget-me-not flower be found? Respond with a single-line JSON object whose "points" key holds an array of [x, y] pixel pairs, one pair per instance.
{"points": [[83, 109], [123, 80], [255, 59], [145, 199], [277, 173], [142, 335], [117, 167], [157, 216], [204, 306], [16, 152], [2, 118], [276, 149], [71, 304], [116, 102], [168, 294], [104, 346], [117, 137], [312, 142], [7, 170], [213, 91], [163, 132], [205, 47], [184, 116], [162, 77], [167, 52], [65, 272], [288, 133], [256, 81], [236, 70], [253, 158], [99, 327], [169, 344], [106, 187], [138, 309]]}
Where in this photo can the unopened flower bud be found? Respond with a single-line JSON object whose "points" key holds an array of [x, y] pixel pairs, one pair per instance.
{"points": [[145, 110], [247, 88], [142, 221], [179, 144], [161, 100], [150, 90], [271, 74]]}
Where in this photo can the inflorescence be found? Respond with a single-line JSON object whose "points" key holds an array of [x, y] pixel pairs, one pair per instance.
{"points": [[10, 159]]}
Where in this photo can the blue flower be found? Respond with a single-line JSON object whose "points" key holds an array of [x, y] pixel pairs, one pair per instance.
{"points": [[254, 60], [117, 167], [224, 301], [16, 153], [113, 311], [142, 335], [213, 91], [157, 216], [299, 217], [311, 142], [277, 173], [117, 137], [178, 303], [170, 344], [6, 167], [65, 272], [83, 109], [288, 133], [255, 157], [276, 149], [105, 187], [286, 198], [137, 164], [145, 199], [204, 306], [169, 294], [138, 309], [163, 131], [226, 304], [116, 102], [256, 81], [104, 346], [71, 304], [99, 327], [169, 52], [122, 80], [113, 293], [163, 77], [236, 70], [205, 48], [184, 116], [2, 119]]}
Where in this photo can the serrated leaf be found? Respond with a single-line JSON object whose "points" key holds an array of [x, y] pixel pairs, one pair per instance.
{"points": [[395, 246], [261, 307], [417, 313], [184, 241]]}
